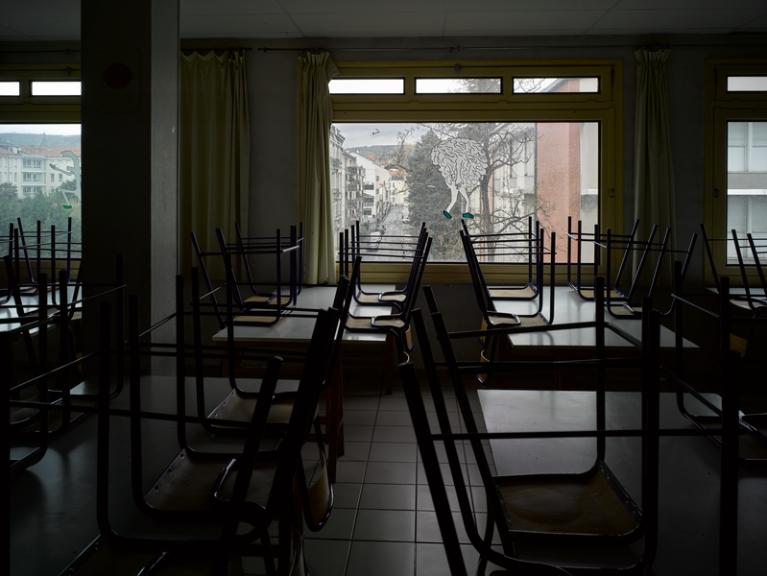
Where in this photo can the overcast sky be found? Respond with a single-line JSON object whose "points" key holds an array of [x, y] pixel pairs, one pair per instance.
{"points": [[377, 134]]}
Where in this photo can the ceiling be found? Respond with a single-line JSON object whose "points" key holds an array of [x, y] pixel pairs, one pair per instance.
{"points": [[38, 20]]}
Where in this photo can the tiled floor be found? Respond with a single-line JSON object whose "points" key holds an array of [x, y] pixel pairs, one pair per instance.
{"points": [[384, 521]]}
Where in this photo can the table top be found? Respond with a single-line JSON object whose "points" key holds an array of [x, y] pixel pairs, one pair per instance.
{"points": [[569, 307], [293, 328]]}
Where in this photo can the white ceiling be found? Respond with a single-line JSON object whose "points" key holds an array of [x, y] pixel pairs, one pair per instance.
{"points": [[24, 20]]}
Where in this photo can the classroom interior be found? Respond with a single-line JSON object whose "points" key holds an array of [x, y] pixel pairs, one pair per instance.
{"points": [[344, 288]]}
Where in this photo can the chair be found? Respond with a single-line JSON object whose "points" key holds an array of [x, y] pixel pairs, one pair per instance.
{"points": [[524, 244], [558, 510], [220, 490], [394, 298], [240, 402]]}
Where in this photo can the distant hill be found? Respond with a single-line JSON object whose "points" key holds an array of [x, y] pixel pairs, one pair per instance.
{"points": [[383, 154], [52, 140]]}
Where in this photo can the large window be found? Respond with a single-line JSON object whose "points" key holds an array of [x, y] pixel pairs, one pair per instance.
{"points": [[40, 176], [736, 159], [40, 148], [491, 144]]}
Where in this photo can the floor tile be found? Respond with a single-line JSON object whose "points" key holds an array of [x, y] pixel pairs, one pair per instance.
{"points": [[350, 472], [388, 497], [361, 402], [391, 473], [393, 402], [340, 526], [424, 501], [358, 433], [431, 560], [326, 558], [392, 452], [385, 525], [359, 417], [393, 434], [382, 559], [427, 528], [346, 495], [392, 418], [356, 451]]}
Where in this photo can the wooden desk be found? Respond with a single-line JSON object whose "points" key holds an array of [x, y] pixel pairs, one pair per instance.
{"points": [[688, 479], [294, 332]]}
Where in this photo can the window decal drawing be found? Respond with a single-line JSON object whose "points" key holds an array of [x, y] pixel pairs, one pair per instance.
{"points": [[462, 163]]}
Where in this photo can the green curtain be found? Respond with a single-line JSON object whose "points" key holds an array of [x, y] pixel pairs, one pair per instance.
{"points": [[653, 167], [314, 116], [215, 150]]}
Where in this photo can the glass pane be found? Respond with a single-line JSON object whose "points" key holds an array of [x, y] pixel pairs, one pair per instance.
{"points": [[458, 86], [494, 175], [747, 83], [40, 177], [9, 88], [46, 88], [555, 85], [746, 185], [367, 86]]}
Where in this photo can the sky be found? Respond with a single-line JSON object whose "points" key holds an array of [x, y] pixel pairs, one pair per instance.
{"points": [[377, 134], [65, 129]]}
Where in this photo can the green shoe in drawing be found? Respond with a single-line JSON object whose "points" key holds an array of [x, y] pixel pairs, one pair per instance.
{"points": [[468, 215], [447, 215]]}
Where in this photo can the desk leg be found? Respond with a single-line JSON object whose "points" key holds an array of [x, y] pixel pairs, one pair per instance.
{"points": [[334, 416]]}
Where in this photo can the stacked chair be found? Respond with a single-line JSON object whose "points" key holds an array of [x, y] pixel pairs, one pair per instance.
{"points": [[552, 512], [211, 506]]}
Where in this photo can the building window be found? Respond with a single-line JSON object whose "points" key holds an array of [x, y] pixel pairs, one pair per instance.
{"points": [[491, 146]]}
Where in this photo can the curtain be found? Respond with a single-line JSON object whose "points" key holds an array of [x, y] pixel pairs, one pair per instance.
{"points": [[215, 151], [653, 168], [314, 115]]}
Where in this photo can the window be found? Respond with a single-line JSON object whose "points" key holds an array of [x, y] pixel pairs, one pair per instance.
{"points": [[10, 88], [45, 158], [736, 155], [474, 146], [55, 88]]}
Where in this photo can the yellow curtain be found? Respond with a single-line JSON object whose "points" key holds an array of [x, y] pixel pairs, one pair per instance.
{"points": [[314, 117], [215, 150], [653, 163]]}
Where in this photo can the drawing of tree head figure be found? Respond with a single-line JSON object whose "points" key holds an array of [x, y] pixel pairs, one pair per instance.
{"points": [[462, 163]]}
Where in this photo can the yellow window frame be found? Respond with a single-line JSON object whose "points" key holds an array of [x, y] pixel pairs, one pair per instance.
{"points": [[722, 107], [604, 107]]}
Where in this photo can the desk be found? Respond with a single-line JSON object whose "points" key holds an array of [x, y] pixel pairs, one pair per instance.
{"points": [[296, 331], [569, 307], [689, 470]]}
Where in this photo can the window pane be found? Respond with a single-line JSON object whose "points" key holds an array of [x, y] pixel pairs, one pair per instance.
{"points": [[747, 83], [367, 86], [555, 85], [494, 175], [40, 177], [746, 184], [46, 88], [9, 88], [458, 86]]}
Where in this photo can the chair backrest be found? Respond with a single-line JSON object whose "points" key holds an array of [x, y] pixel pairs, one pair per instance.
{"points": [[315, 373], [427, 449]]}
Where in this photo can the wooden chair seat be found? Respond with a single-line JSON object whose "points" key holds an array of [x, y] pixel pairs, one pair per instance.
{"points": [[498, 320], [537, 320], [365, 298], [255, 319], [240, 409], [586, 505], [396, 297], [187, 483], [388, 322], [589, 293], [509, 293]]}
